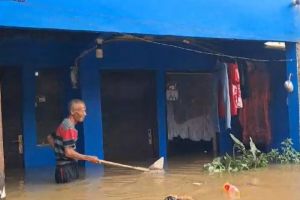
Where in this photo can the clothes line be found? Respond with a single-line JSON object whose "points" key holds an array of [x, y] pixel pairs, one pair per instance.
{"points": [[214, 54]]}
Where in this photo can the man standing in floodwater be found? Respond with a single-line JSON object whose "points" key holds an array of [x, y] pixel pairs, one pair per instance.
{"points": [[64, 144]]}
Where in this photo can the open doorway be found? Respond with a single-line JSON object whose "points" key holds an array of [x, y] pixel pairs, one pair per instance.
{"points": [[191, 113], [129, 115], [48, 102]]}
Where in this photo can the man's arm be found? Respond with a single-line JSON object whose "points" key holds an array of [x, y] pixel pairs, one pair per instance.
{"points": [[50, 139], [71, 153]]}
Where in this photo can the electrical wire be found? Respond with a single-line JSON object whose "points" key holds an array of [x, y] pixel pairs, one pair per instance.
{"points": [[212, 54], [218, 54], [85, 52]]}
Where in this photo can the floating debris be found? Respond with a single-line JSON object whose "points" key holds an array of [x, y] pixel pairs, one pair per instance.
{"points": [[175, 197], [232, 191], [197, 184]]}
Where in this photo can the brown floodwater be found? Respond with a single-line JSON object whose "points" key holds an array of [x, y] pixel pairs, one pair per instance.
{"points": [[183, 176]]}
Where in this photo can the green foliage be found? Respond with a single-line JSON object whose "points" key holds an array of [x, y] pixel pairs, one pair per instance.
{"points": [[273, 156], [245, 159], [215, 166], [286, 155]]}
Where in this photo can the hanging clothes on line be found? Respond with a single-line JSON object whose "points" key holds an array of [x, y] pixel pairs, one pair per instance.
{"points": [[221, 79], [254, 116], [194, 115], [244, 80], [234, 88]]}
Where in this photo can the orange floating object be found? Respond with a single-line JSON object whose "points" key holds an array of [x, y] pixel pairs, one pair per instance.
{"points": [[232, 191]]}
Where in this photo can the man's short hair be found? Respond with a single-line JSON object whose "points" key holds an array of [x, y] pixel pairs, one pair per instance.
{"points": [[73, 102]]}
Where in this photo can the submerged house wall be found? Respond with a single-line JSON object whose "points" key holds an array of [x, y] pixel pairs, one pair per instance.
{"points": [[216, 19], [59, 53], [138, 56], [121, 55], [163, 59], [34, 51]]}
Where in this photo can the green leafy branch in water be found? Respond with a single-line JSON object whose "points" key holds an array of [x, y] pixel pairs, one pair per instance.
{"points": [[241, 159], [245, 159], [287, 154]]}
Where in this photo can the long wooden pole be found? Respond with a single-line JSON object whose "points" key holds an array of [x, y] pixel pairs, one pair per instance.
{"points": [[124, 166]]}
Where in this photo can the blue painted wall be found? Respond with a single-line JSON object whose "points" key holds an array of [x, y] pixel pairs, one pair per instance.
{"points": [[41, 48], [161, 112], [118, 55], [255, 19], [140, 55], [137, 55], [33, 155], [293, 98], [90, 94], [31, 51]]}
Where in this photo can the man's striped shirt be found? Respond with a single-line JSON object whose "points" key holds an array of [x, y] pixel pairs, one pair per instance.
{"points": [[66, 136]]}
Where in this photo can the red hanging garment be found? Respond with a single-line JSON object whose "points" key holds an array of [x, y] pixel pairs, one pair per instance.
{"points": [[234, 88], [254, 116]]}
